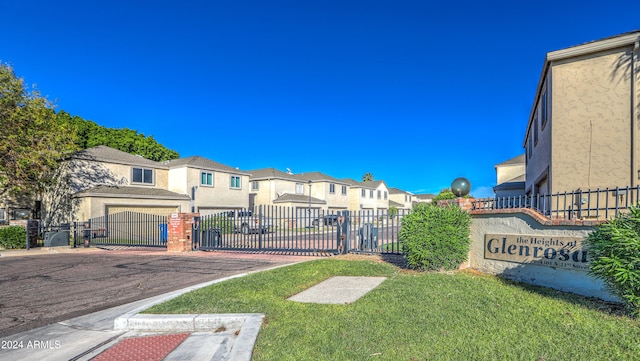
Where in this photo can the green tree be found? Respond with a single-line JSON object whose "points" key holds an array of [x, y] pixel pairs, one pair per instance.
{"points": [[444, 194], [367, 177], [91, 134], [33, 139]]}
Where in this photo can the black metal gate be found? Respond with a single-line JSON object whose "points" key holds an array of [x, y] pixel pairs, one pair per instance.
{"points": [[126, 229], [278, 229]]}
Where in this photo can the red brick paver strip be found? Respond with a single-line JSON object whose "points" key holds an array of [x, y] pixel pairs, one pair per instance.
{"points": [[149, 348]]}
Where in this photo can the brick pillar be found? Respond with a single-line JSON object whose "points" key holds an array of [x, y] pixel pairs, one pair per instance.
{"points": [[179, 237], [464, 203]]}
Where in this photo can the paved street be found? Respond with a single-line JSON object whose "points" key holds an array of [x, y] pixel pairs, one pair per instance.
{"points": [[36, 290]]}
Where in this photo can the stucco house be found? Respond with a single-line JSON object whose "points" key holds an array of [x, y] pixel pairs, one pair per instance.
{"points": [[213, 187], [370, 195], [102, 180], [510, 177], [400, 199], [583, 130], [305, 192]]}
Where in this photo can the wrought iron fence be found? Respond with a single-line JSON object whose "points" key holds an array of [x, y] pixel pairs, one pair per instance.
{"points": [[598, 204], [124, 229], [272, 228]]}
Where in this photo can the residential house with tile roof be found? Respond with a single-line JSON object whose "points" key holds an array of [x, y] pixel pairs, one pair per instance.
{"points": [[400, 199], [370, 195], [214, 187], [312, 191], [102, 180]]}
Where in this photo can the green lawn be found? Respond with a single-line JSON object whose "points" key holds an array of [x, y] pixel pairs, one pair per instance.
{"points": [[418, 316]]}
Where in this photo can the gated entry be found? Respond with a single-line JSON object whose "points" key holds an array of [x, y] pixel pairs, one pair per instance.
{"points": [[127, 229], [286, 230]]}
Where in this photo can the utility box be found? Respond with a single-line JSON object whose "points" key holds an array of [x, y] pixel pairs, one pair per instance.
{"points": [[56, 239], [368, 237]]}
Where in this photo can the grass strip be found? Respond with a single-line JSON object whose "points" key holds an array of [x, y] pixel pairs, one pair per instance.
{"points": [[418, 316]]}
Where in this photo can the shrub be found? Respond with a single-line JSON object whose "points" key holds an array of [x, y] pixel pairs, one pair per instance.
{"points": [[435, 238], [13, 237], [614, 248]]}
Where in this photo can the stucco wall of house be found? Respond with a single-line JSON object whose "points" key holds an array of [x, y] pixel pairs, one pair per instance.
{"points": [[335, 200], [219, 195], [97, 206], [402, 198], [567, 280], [508, 172], [591, 122], [538, 154], [178, 180]]}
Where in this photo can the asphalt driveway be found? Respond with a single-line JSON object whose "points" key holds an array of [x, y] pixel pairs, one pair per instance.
{"points": [[36, 290]]}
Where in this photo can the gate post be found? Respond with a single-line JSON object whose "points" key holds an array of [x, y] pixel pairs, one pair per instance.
{"points": [[180, 232], [343, 233]]}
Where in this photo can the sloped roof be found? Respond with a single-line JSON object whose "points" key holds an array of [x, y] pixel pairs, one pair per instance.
{"points": [[519, 160], [510, 186], [398, 191], [426, 196], [201, 162], [110, 155], [297, 198], [131, 192], [318, 177], [356, 184], [395, 204], [271, 173]]}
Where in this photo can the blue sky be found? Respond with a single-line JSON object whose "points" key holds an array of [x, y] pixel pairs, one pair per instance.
{"points": [[415, 92]]}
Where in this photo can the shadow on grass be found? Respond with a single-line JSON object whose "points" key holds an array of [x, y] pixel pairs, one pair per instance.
{"points": [[593, 303]]}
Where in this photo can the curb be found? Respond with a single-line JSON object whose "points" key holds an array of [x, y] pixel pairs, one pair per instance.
{"points": [[245, 326]]}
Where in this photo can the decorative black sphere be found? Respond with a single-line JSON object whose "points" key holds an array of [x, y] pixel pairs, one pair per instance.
{"points": [[461, 187]]}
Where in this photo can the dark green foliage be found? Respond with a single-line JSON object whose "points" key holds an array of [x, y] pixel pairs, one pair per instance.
{"points": [[444, 194], [614, 248], [91, 134], [13, 237], [435, 238]]}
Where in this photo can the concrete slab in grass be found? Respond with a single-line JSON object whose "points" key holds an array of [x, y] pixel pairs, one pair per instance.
{"points": [[338, 290]]}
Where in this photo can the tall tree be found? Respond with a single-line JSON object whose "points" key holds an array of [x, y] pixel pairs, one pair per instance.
{"points": [[33, 140], [367, 177]]}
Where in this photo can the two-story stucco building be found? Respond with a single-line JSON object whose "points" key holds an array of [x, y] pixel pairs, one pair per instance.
{"points": [[212, 186], [103, 180], [584, 128]]}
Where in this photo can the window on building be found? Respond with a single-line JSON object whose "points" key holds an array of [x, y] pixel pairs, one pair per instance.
{"points": [[3, 216], [344, 190], [235, 182], [255, 185], [385, 194], [544, 109], [529, 147], [332, 188], [299, 188], [142, 175], [364, 193], [535, 128], [371, 194], [379, 194], [206, 179]]}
